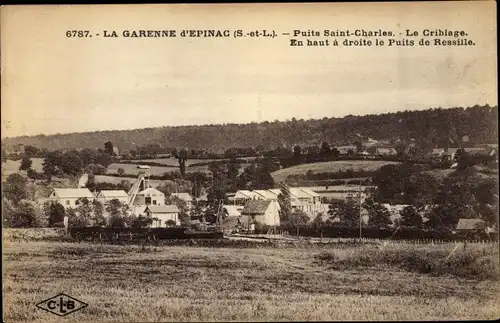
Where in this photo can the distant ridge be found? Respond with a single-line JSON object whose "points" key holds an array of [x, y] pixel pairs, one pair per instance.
{"points": [[479, 123]]}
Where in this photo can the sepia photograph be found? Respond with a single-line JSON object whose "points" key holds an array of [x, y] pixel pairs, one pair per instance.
{"points": [[250, 162]]}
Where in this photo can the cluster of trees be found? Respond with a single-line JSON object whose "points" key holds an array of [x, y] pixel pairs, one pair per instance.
{"points": [[431, 127], [462, 194], [70, 163], [73, 162]]}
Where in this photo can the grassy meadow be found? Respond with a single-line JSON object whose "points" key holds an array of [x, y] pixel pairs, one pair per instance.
{"points": [[330, 166], [186, 283], [117, 180], [12, 166], [171, 161]]}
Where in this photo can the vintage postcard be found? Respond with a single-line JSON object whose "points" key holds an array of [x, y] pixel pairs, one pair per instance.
{"points": [[250, 162]]}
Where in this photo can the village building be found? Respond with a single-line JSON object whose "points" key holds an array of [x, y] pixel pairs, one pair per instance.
{"points": [[474, 225], [343, 192], [163, 215], [69, 197], [347, 150], [108, 195], [386, 152], [301, 198], [263, 212], [186, 197], [243, 196], [231, 210], [149, 196]]}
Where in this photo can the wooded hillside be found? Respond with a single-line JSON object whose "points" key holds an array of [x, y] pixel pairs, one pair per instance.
{"points": [[434, 127]]}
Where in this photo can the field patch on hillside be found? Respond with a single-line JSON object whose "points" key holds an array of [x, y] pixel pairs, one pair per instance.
{"points": [[117, 180], [171, 161], [331, 166], [154, 170], [12, 166]]}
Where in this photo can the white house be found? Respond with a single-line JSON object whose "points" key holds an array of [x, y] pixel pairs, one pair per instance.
{"points": [[231, 210], [68, 197], [343, 192], [301, 198], [162, 214], [108, 195], [186, 197], [149, 196], [263, 211], [242, 196], [265, 195], [386, 152]]}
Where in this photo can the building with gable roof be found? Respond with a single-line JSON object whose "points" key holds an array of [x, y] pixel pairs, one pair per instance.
{"points": [[263, 212], [69, 197], [162, 215], [108, 195]]}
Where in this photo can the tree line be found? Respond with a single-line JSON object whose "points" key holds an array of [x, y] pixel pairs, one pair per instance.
{"points": [[432, 127]]}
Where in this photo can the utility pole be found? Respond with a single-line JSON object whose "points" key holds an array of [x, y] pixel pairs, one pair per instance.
{"points": [[360, 219]]}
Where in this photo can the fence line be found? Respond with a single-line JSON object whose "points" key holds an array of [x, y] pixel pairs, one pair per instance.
{"points": [[402, 241]]}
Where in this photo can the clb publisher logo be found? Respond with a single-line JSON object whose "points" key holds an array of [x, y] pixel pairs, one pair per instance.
{"points": [[61, 305]]}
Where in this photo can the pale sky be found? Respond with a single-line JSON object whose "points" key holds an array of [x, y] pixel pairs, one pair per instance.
{"points": [[53, 84]]}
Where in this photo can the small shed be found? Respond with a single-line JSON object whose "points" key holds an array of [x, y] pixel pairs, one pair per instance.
{"points": [[471, 225]]}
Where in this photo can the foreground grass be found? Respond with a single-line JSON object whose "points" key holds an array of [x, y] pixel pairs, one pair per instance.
{"points": [[134, 283]]}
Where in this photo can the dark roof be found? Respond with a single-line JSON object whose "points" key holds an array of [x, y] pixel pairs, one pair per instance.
{"points": [[471, 224], [255, 207]]}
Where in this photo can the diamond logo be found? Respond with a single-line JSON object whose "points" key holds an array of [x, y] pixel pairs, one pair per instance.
{"points": [[61, 305]]}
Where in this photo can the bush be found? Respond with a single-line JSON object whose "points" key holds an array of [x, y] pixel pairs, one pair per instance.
{"points": [[480, 264], [27, 214]]}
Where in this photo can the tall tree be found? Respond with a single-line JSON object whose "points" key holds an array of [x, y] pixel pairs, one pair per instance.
{"points": [[108, 148], [296, 219], [410, 217], [8, 212], [378, 215], [71, 163], [345, 213], [4, 155], [29, 214], [325, 152], [25, 163], [118, 214], [31, 151], [15, 188], [181, 156], [103, 159], [55, 214], [297, 154], [98, 214], [84, 210], [52, 163], [284, 200]]}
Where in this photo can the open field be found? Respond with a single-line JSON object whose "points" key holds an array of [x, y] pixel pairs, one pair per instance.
{"points": [[482, 171], [117, 180], [331, 166], [12, 166], [174, 162], [155, 283], [154, 170]]}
